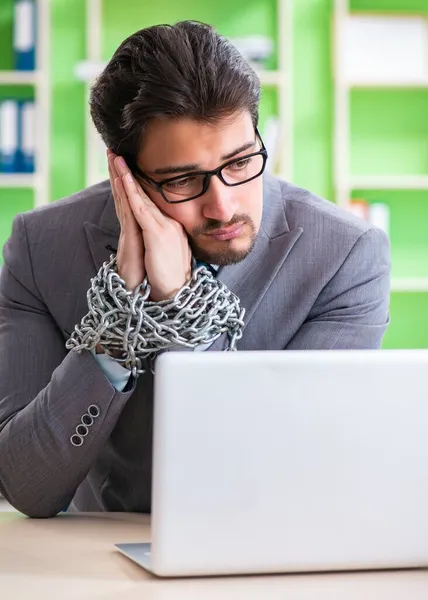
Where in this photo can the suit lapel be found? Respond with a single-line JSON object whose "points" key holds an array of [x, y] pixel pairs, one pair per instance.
{"points": [[102, 243], [251, 278], [103, 237]]}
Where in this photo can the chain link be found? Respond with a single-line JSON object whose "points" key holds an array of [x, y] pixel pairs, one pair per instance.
{"points": [[132, 329]]}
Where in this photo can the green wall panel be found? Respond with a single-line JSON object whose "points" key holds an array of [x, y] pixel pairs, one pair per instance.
{"points": [[409, 322], [6, 52], [68, 97], [240, 17], [312, 96], [389, 132]]}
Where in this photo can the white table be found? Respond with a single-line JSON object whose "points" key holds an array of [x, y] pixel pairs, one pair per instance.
{"points": [[73, 557]]}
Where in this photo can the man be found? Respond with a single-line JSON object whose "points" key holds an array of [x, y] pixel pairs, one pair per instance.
{"points": [[76, 425]]}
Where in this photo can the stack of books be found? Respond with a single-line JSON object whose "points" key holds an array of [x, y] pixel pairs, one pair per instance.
{"points": [[17, 117], [377, 213]]}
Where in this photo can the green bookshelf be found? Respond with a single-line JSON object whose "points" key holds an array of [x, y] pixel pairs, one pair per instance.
{"points": [[23, 191], [386, 143], [12, 200], [390, 126]]}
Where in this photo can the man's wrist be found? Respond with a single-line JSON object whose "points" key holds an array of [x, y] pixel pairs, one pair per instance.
{"points": [[115, 353]]}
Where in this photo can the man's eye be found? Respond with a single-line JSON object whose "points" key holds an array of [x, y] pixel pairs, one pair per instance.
{"points": [[240, 164], [180, 183]]}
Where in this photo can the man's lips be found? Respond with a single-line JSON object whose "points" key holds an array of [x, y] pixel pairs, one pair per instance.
{"points": [[227, 233]]}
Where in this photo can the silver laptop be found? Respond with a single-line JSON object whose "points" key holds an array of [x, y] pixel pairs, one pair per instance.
{"points": [[290, 461]]}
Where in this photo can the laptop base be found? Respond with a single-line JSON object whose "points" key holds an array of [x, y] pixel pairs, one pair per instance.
{"points": [[137, 552]]}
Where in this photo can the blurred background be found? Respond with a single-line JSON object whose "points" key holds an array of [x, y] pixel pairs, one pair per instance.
{"points": [[344, 109]]}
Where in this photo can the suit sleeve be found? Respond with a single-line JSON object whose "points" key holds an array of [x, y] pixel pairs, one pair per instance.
{"points": [[44, 393], [352, 311]]}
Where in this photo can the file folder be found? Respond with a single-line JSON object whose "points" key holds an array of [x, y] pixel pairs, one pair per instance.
{"points": [[24, 35], [27, 136], [9, 136]]}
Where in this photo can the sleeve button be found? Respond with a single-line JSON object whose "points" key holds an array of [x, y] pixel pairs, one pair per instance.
{"points": [[94, 411], [76, 440], [87, 420], [82, 430]]}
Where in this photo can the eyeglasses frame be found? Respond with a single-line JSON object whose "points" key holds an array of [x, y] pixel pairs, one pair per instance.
{"points": [[158, 185]]}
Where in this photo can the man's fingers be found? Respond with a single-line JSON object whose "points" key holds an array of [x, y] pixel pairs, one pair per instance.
{"points": [[145, 211], [141, 204], [113, 176], [129, 222], [117, 200]]}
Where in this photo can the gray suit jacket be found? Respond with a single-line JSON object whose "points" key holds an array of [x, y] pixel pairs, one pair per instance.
{"points": [[317, 278]]}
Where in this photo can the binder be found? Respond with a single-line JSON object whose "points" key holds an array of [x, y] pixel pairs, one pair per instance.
{"points": [[9, 136], [24, 35], [27, 136]]}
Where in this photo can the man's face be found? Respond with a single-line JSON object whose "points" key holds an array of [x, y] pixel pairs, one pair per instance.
{"points": [[223, 223]]}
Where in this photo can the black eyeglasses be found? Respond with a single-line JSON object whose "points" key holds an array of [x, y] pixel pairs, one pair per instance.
{"points": [[194, 184]]}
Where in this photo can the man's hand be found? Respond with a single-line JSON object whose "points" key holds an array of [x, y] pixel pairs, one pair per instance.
{"points": [[163, 248], [130, 251]]}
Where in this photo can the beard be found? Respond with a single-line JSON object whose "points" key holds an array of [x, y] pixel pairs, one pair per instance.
{"points": [[227, 252]]}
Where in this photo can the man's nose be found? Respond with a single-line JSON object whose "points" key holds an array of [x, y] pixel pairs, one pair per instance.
{"points": [[219, 201]]}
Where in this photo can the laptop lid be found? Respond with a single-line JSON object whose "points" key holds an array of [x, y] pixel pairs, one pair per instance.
{"points": [[289, 461]]}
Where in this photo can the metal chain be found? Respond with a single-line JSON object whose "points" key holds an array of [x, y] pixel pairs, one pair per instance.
{"points": [[132, 329]]}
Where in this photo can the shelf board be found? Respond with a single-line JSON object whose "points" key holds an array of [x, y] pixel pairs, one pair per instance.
{"points": [[382, 84], [17, 180], [389, 182], [414, 284], [19, 77], [273, 78]]}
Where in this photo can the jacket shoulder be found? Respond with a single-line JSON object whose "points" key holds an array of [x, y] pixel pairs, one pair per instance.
{"points": [[307, 210], [69, 212]]}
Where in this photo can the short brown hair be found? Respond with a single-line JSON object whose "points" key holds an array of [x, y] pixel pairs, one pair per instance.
{"points": [[170, 71]]}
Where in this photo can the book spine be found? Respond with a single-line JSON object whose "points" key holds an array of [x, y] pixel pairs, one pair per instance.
{"points": [[24, 35], [9, 136]]}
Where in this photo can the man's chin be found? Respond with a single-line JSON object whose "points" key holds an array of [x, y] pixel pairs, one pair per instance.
{"points": [[222, 256]]}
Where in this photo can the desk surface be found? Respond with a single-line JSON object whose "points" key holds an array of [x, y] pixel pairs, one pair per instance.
{"points": [[73, 556]]}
